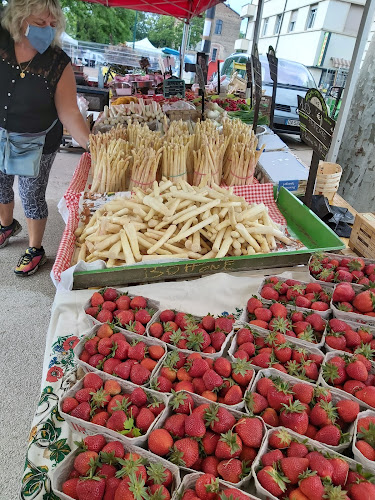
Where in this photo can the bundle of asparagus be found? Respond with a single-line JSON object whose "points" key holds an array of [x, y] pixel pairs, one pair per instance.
{"points": [[145, 166], [241, 156], [110, 158]]}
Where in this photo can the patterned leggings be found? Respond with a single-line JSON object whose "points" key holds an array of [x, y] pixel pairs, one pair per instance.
{"points": [[32, 189]]}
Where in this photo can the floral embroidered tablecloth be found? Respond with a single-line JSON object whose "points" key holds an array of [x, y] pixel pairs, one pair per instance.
{"points": [[50, 438]]}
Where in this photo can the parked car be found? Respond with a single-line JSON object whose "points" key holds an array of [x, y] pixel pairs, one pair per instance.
{"points": [[293, 79]]}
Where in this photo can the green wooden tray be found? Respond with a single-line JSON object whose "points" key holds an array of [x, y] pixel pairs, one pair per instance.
{"points": [[303, 224]]}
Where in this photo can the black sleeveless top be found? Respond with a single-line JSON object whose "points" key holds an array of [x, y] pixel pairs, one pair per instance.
{"points": [[27, 104]]}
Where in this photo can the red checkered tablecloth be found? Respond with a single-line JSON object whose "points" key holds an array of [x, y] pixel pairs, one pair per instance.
{"points": [[255, 193]]}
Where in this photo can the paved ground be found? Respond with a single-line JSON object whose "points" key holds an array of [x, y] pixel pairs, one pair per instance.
{"points": [[26, 305]]}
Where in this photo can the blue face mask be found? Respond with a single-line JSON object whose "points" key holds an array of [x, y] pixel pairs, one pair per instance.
{"points": [[40, 38]]}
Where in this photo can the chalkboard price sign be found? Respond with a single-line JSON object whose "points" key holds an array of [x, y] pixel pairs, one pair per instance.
{"points": [[273, 65], [173, 87], [316, 127]]}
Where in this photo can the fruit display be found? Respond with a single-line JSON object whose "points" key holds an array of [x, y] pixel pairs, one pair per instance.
{"points": [[350, 337], [298, 294], [332, 268], [308, 327], [356, 301], [273, 350], [364, 438], [208, 487], [219, 380], [352, 373], [100, 401], [101, 468], [310, 410], [120, 354], [207, 437], [130, 312], [296, 469], [185, 331]]}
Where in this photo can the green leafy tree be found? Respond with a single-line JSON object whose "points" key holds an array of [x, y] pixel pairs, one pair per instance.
{"points": [[96, 23]]}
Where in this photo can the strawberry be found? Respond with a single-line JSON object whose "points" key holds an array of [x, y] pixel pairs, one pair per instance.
{"points": [[272, 481], [90, 488], [182, 402], [198, 367], [303, 392], [278, 394], [297, 450], [252, 304], [224, 323], [356, 370], [208, 323], [347, 410], [329, 434], [212, 379], [278, 310], [292, 467], [233, 396], [105, 316], [294, 416], [86, 461], [110, 364], [96, 299], [207, 487], [160, 442], [175, 425], [270, 417], [323, 413], [223, 367], [242, 372], [280, 439], [230, 470], [311, 486], [95, 443], [320, 464], [69, 404], [195, 426], [219, 419], [364, 302], [343, 292], [361, 491], [234, 493], [250, 430], [366, 449], [125, 317], [302, 301], [228, 446], [269, 293], [138, 303], [100, 418], [185, 452], [263, 386], [256, 403], [139, 374], [271, 457], [69, 487], [143, 316], [244, 335], [340, 471], [217, 340], [111, 486], [114, 447], [156, 330]]}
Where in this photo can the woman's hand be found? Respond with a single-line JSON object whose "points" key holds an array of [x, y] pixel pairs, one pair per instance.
{"points": [[67, 109]]}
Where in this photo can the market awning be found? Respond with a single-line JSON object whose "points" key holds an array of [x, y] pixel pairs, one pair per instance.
{"points": [[182, 9], [338, 62]]}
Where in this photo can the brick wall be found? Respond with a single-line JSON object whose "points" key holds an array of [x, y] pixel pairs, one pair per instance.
{"points": [[224, 43]]}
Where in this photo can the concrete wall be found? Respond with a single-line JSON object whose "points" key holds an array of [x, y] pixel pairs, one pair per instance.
{"points": [[230, 32]]}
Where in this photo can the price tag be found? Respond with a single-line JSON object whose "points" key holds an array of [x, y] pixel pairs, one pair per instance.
{"points": [[174, 87]]}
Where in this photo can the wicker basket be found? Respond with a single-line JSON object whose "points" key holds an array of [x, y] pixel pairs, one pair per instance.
{"points": [[328, 179]]}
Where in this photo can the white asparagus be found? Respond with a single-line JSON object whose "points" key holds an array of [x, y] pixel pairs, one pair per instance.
{"points": [[133, 240], [129, 258], [167, 235], [195, 228]]}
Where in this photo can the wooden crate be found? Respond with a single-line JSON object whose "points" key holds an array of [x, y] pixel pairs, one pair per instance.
{"points": [[362, 238]]}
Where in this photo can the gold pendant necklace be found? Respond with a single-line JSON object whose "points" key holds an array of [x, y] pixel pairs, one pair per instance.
{"points": [[22, 74]]}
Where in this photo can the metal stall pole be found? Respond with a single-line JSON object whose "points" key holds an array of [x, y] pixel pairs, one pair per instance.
{"points": [[258, 22], [185, 35]]}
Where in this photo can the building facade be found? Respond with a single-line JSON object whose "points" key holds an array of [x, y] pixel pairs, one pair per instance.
{"points": [[224, 32], [319, 34]]}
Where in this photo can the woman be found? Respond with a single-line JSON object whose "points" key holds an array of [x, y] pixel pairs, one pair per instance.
{"points": [[37, 87]]}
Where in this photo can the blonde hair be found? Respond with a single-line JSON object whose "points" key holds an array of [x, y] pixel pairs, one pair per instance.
{"points": [[17, 11]]}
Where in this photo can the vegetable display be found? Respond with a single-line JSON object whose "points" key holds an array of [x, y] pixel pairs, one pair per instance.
{"points": [[178, 221]]}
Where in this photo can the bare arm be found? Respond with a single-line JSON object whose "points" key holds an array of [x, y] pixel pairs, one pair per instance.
{"points": [[67, 109]]}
